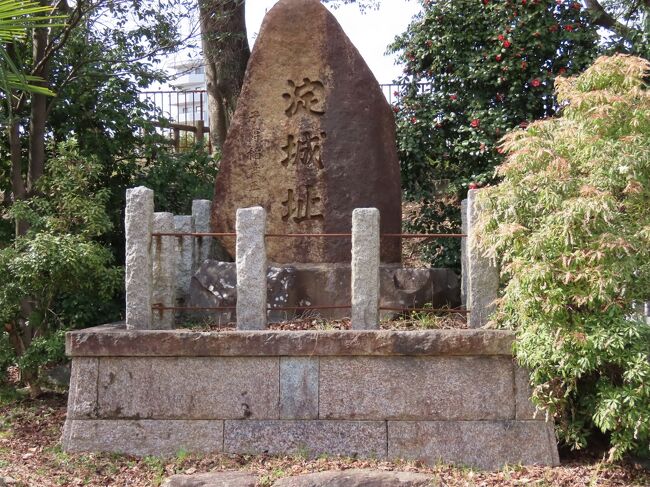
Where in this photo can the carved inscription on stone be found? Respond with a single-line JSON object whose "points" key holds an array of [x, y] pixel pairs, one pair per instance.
{"points": [[302, 205], [254, 151], [305, 149], [308, 96]]}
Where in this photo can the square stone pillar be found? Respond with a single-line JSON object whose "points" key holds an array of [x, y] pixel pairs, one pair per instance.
{"points": [[138, 225], [365, 268], [483, 276], [202, 245], [184, 259], [163, 255], [464, 268], [251, 268]]}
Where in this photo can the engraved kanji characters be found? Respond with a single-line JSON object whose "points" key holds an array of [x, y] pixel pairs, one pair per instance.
{"points": [[305, 149], [310, 96], [302, 208]]}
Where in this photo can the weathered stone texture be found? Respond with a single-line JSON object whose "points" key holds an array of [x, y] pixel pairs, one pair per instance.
{"points": [[251, 269], [184, 246], [482, 444], [299, 388], [483, 276], [201, 210], [464, 269], [434, 388], [215, 285], [357, 478], [138, 226], [143, 437], [163, 256], [82, 396], [189, 388], [113, 341], [365, 269], [322, 284], [312, 138], [525, 407], [213, 479], [350, 438]]}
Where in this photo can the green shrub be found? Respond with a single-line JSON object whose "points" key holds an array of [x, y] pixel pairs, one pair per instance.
{"points": [[58, 263], [177, 178], [570, 228]]}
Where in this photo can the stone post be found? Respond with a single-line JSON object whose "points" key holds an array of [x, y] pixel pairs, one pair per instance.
{"points": [[483, 277], [184, 252], [163, 256], [202, 245], [251, 268], [464, 268], [138, 223], [365, 269]]}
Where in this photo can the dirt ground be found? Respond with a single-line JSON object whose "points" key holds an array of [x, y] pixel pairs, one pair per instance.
{"points": [[31, 456]]}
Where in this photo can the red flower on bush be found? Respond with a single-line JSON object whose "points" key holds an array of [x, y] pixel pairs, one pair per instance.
{"points": [[396, 109], [498, 57], [453, 97], [524, 65], [501, 37], [568, 28], [475, 123], [414, 120], [536, 82], [506, 44]]}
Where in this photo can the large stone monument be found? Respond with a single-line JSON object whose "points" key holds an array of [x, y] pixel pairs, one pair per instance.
{"points": [[312, 138]]}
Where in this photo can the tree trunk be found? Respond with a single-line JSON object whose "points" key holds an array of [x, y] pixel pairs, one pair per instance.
{"points": [[18, 190], [38, 108], [226, 53]]}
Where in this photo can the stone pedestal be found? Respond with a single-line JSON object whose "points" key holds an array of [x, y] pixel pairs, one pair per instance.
{"points": [[437, 395]]}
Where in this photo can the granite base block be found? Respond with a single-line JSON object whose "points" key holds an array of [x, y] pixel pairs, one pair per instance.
{"points": [[481, 444], [143, 437], [347, 438]]}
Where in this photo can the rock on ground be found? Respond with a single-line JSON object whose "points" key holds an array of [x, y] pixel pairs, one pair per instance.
{"points": [[215, 479], [334, 478]]}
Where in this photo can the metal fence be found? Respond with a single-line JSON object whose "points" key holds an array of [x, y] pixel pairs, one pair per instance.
{"points": [[189, 107]]}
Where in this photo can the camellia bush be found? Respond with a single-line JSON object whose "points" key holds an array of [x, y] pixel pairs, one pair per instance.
{"points": [[472, 71], [570, 227]]}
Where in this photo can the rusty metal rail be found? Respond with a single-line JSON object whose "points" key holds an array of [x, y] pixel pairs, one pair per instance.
{"points": [[306, 235], [160, 307]]}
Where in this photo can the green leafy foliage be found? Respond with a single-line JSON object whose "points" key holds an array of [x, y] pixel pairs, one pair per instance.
{"points": [[177, 178], [472, 71], [570, 227], [59, 263]]}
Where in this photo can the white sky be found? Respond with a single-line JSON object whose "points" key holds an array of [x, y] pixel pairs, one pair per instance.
{"points": [[370, 32]]}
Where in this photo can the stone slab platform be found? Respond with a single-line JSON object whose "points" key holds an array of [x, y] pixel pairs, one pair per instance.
{"points": [[437, 395]]}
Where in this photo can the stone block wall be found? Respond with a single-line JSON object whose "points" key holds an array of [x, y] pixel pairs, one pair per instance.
{"points": [[452, 396]]}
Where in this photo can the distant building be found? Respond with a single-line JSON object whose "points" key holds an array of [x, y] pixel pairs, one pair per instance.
{"points": [[188, 101]]}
